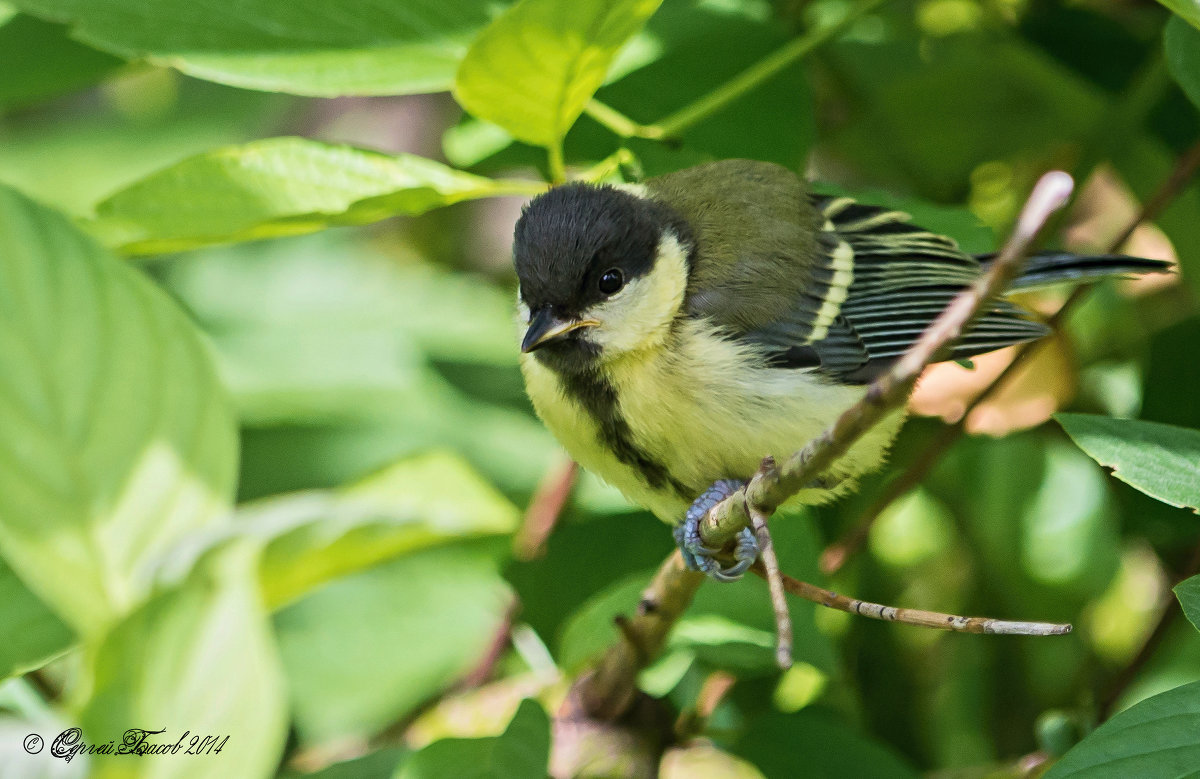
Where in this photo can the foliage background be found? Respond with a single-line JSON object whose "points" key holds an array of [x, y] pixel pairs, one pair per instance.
{"points": [[353, 389]]}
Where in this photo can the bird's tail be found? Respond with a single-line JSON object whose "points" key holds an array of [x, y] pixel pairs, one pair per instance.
{"points": [[1046, 268]]}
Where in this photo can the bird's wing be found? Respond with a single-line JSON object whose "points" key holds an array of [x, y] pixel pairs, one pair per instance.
{"points": [[879, 283]]}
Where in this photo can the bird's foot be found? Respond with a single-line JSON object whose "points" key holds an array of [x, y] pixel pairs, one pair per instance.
{"points": [[699, 557]]}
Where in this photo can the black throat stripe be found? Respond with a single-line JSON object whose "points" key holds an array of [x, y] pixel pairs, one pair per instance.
{"points": [[599, 398]]}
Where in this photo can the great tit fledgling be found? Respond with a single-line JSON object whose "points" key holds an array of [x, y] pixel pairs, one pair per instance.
{"points": [[679, 330]]}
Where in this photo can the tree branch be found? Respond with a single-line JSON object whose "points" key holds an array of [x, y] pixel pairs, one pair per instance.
{"points": [[928, 619]]}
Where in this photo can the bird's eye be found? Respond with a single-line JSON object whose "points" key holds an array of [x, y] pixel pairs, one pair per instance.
{"points": [[611, 281]]}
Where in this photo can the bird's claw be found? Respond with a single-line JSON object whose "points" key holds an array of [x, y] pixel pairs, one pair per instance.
{"points": [[699, 557]]}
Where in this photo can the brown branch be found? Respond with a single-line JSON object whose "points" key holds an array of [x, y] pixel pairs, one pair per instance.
{"points": [[770, 568], [545, 507], [609, 690], [928, 619], [837, 554]]}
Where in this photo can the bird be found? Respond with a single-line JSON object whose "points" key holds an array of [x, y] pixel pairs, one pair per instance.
{"points": [[676, 331]]}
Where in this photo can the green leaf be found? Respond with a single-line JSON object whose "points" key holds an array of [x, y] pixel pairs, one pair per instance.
{"points": [[1162, 461], [815, 742], [117, 437], [1182, 42], [276, 187], [196, 660], [536, 67], [1188, 10], [304, 47], [40, 62], [522, 750], [367, 650], [1154, 738], [34, 633], [1188, 593], [417, 503]]}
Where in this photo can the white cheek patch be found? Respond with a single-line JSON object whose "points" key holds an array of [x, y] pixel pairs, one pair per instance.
{"points": [[640, 315]]}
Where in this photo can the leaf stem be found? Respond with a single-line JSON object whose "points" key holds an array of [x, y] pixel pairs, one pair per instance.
{"points": [[756, 74], [619, 123], [554, 161]]}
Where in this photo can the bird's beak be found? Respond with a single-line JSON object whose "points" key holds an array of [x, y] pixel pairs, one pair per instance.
{"points": [[546, 326]]}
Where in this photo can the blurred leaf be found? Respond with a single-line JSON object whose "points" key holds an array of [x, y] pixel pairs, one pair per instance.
{"points": [[365, 650], [41, 62], [313, 538], [1183, 53], [118, 438], [35, 633], [72, 164], [535, 68], [200, 658], [814, 742], [380, 764], [523, 750], [1162, 461], [1154, 738], [280, 186], [704, 759], [1187, 9], [1188, 593], [364, 48]]}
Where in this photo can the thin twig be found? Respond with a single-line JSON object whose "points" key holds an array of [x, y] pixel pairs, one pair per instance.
{"points": [[714, 689], [771, 486], [837, 554], [770, 564], [928, 619], [545, 507], [607, 691]]}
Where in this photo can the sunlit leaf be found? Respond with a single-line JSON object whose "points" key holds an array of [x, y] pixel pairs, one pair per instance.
{"points": [[306, 47], [276, 187], [197, 660], [369, 649], [522, 750], [535, 68], [1162, 461], [1151, 739], [117, 437], [409, 506]]}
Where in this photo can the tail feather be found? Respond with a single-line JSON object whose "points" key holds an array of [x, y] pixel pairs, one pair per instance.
{"points": [[1048, 268]]}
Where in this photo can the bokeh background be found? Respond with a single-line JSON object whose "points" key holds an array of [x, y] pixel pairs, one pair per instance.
{"points": [[356, 348]]}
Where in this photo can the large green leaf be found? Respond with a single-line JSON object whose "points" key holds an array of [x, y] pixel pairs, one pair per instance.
{"points": [[522, 750], [816, 742], [34, 633], [1182, 41], [117, 437], [197, 660], [1152, 739], [40, 62], [1188, 593], [1187, 9], [315, 537], [1162, 461], [307, 47], [280, 186], [535, 68], [366, 650]]}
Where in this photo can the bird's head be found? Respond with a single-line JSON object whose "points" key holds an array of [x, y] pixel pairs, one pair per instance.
{"points": [[603, 272]]}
